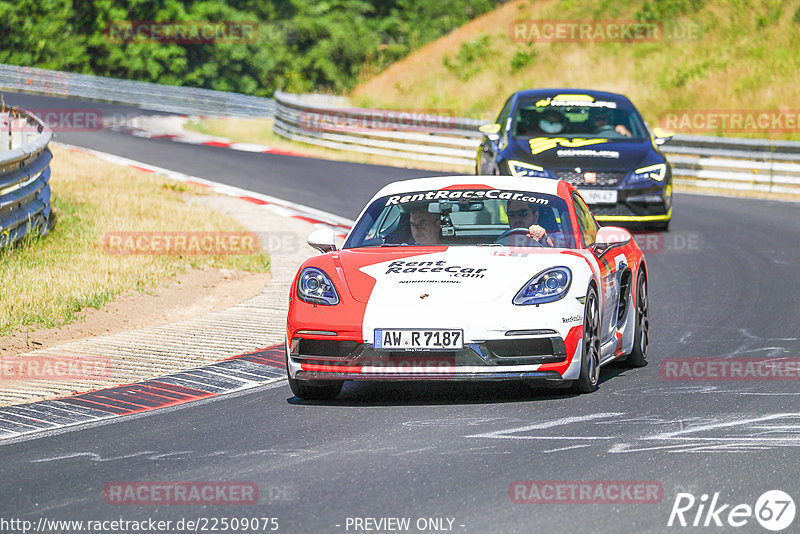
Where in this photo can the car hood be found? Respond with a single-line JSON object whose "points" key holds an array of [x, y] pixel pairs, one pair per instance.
{"points": [[568, 153], [447, 275]]}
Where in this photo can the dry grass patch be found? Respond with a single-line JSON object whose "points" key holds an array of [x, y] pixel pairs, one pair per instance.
{"points": [[47, 281]]}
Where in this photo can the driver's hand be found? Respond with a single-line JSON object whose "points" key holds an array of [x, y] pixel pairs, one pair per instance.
{"points": [[622, 130], [538, 233]]}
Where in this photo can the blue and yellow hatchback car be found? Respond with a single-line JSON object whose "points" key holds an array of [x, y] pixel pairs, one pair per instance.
{"points": [[596, 141]]}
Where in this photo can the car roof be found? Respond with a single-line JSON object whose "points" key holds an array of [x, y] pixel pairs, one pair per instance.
{"points": [[621, 100], [545, 186]]}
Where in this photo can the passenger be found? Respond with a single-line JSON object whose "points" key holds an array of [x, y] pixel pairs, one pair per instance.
{"points": [[601, 120]]}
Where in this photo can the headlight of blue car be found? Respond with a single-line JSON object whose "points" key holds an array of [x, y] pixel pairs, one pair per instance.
{"points": [[315, 286], [547, 286], [520, 168], [655, 172]]}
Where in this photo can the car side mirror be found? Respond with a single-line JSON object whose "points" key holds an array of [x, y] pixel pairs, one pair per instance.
{"points": [[323, 239], [661, 136], [491, 131], [609, 237]]}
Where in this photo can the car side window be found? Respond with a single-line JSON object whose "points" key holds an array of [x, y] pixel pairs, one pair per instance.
{"points": [[502, 117], [586, 222]]}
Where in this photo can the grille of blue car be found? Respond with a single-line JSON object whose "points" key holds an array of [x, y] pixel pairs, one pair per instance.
{"points": [[603, 179]]}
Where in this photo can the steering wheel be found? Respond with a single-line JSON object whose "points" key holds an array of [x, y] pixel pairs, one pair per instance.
{"points": [[518, 231]]}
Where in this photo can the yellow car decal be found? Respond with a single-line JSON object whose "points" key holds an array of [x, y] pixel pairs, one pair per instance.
{"points": [[540, 144]]}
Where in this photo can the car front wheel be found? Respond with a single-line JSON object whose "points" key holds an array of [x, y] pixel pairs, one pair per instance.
{"points": [[590, 356], [641, 336]]}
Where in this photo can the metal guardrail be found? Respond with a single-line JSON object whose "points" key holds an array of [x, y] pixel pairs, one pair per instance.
{"points": [[167, 98], [24, 175], [416, 136], [718, 162], [741, 164]]}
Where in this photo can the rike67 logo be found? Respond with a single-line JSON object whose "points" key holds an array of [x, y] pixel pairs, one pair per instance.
{"points": [[774, 510]]}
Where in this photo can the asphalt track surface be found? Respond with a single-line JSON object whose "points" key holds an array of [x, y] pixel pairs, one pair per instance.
{"points": [[723, 283]]}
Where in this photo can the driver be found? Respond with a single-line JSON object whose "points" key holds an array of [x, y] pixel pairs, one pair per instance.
{"points": [[524, 215], [426, 228], [601, 120]]}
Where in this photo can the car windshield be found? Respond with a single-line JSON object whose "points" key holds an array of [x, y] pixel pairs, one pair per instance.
{"points": [[565, 118], [458, 217]]}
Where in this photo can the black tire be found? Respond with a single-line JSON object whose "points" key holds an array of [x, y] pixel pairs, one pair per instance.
{"points": [[660, 226], [590, 356], [641, 336], [313, 390]]}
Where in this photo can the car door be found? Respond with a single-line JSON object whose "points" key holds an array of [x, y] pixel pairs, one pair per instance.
{"points": [[609, 274]]}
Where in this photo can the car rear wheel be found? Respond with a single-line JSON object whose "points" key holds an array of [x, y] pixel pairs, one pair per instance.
{"points": [[641, 336], [590, 356]]}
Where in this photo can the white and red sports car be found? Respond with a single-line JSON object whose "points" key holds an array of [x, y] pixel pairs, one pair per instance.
{"points": [[468, 278]]}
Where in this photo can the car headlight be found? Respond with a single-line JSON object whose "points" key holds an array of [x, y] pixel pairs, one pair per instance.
{"points": [[519, 168], [655, 172], [315, 286], [547, 286]]}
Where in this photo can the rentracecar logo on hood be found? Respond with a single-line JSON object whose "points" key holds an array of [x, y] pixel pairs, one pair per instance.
{"points": [[541, 144], [440, 266]]}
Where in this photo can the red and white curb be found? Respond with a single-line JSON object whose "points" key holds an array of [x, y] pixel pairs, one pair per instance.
{"points": [[171, 128], [239, 373]]}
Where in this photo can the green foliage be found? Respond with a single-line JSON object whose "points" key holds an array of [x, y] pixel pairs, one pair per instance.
{"points": [[469, 58], [660, 10], [522, 58], [299, 46]]}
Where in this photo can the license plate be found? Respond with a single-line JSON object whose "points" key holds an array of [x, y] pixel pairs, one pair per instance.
{"points": [[599, 196], [413, 339]]}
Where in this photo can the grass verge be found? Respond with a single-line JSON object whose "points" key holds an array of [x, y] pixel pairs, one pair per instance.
{"points": [[48, 281]]}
